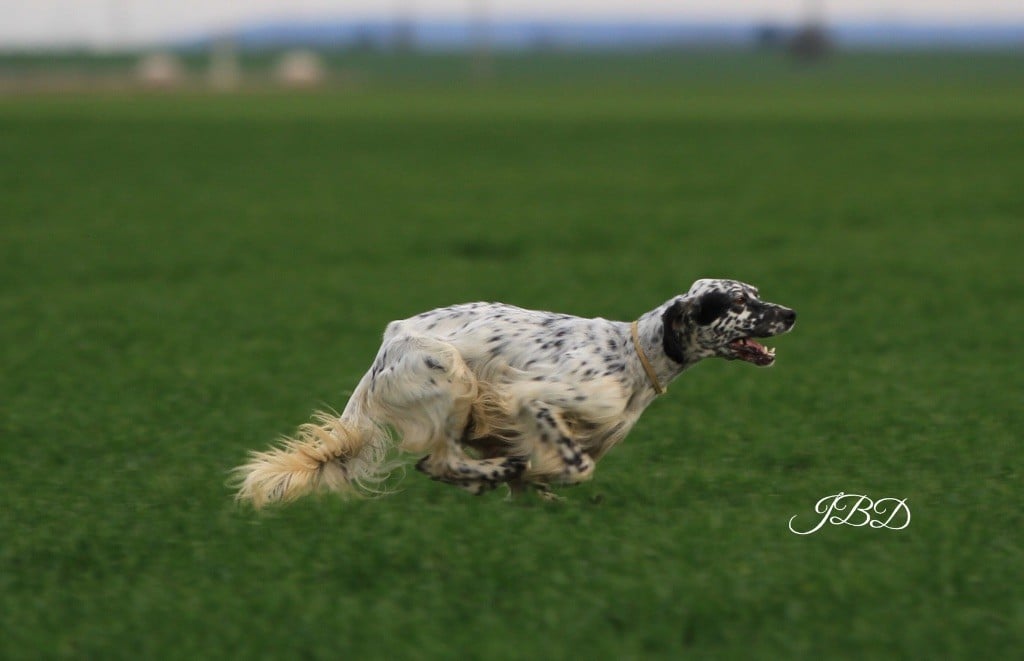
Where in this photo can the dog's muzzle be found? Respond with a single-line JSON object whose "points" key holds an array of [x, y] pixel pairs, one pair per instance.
{"points": [[776, 321]]}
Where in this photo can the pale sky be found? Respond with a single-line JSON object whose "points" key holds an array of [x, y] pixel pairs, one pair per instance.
{"points": [[129, 22]]}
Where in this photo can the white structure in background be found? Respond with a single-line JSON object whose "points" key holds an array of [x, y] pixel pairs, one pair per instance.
{"points": [[160, 70], [299, 68], [483, 65], [225, 72]]}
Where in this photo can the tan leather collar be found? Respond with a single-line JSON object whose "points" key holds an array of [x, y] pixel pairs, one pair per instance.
{"points": [[635, 330]]}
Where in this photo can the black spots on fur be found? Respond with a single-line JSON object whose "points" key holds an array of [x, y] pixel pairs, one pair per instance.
{"points": [[516, 464], [674, 325], [608, 362], [613, 346], [475, 476], [613, 363], [498, 346], [673, 315], [711, 306], [497, 337], [544, 415], [433, 364], [769, 319], [574, 459], [552, 320]]}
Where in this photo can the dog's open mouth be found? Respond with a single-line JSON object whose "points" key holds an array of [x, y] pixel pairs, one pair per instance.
{"points": [[752, 351]]}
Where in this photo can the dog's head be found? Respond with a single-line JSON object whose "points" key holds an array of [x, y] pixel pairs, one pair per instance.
{"points": [[722, 318]]}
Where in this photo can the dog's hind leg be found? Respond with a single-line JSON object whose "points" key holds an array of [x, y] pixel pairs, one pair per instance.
{"points": [[425, 390], [476, 476]]}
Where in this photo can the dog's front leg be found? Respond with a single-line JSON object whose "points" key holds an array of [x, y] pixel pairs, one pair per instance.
{"points": [[557, 457]]}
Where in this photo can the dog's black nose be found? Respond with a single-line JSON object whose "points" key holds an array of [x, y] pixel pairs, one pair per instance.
{"points": [[789, 316]]}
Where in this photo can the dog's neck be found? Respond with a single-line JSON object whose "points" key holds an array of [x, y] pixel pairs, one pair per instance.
{"points": [[668, 355]]}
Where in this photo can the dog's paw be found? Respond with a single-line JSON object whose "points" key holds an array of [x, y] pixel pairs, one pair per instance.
{"points": [[515, 467], [545, 493]]}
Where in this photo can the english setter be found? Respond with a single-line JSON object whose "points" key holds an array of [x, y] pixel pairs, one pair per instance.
{"points": [[493, 394]]}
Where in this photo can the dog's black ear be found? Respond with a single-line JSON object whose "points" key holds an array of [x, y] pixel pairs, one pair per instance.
{"points": [[710, 306], [676, 320]]}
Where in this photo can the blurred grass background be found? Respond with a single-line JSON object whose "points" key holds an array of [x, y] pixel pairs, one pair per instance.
{"points": [[185, 276]]}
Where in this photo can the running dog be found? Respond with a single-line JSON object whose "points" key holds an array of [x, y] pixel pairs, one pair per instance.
{"points": [[490, 394]]}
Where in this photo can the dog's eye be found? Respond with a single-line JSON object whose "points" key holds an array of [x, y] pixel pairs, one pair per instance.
{"points": [[740, 300]]}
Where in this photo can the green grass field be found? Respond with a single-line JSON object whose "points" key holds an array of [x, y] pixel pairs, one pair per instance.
{"points": [[185, 278]]}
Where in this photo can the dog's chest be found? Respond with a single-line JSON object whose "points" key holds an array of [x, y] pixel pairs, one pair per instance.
{"points": [[596, 438]]}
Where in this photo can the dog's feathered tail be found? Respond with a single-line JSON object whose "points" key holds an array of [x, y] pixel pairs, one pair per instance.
{"points": [[344, 454]]}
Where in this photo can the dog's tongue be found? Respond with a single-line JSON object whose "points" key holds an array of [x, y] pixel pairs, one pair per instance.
{"points": [[753, 351]]}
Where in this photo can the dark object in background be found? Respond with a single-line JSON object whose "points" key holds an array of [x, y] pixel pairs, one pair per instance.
{"points": [[810, 43]]}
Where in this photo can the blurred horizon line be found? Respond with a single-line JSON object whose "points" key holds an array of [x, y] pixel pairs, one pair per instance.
{"points": [[518, 34]]}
